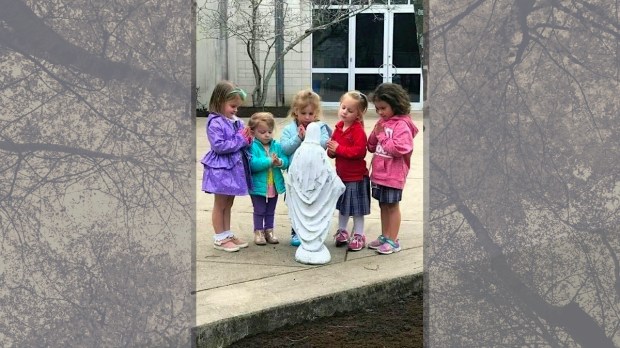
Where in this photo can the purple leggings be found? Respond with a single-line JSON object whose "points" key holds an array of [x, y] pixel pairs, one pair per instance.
{"points": [[264, 210]]}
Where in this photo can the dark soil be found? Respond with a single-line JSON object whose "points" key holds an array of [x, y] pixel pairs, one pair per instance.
{"points": [[396, 325]]}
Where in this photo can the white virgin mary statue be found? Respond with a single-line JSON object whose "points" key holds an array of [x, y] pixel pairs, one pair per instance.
{"points": [[312, 191]]}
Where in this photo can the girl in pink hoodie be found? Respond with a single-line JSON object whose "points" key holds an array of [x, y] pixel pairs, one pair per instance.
{"points": [[391, 141]]}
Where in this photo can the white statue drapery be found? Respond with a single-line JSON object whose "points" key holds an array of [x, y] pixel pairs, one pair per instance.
{"points": [[312, 191]]}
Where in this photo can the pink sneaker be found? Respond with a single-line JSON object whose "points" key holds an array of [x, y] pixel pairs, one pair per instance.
{"points": [[342, 237], [226, 244], [375, 244], [358, 242], [389, 247]]}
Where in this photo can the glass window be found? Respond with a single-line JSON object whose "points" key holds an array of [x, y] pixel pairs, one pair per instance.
{"points": [[367, 83], [329, 86], [369, 40], [411, 83], [406, 53], [330, 47]]}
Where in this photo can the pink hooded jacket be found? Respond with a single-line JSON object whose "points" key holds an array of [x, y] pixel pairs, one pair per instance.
{"points": [[392, 150]]}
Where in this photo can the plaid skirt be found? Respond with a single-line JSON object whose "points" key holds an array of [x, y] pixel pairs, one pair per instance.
{"points": [[386, 194], [355, 200]]}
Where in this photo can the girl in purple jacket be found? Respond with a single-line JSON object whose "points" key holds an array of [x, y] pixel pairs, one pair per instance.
{"points": [[226, 168]]}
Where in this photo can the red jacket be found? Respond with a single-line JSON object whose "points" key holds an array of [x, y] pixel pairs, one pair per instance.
{"points": [[350, 153]]}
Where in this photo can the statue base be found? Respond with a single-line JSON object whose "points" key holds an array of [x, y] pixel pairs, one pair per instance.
{"points": [[319, 257]]}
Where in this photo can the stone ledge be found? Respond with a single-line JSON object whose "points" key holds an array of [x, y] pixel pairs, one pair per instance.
{"points": [[225, 332]]}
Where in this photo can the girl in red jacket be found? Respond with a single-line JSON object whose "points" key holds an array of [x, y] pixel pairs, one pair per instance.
{"points": [[348, 146], [391, 141]]}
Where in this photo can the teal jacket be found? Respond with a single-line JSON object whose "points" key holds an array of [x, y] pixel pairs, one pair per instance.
{"points": [[260, 162]]}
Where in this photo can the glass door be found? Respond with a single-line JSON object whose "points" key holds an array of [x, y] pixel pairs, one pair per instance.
{"points": [[368, 47], [383, 48], [376, 46], [403, 62]]}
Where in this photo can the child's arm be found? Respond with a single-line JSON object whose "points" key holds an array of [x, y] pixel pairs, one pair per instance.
{"points": [[219, 142], [372, 141], [400, 143], [279, 153], [355, 151], [289, 140], [259, 162]]}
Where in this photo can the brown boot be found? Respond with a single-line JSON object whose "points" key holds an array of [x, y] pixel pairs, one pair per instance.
{"points": [[259, 237], [271, 237]]}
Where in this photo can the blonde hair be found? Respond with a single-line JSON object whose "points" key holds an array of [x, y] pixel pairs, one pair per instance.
{"points": [[224, 91], [262, 117], [362, 101], [304, 98]]}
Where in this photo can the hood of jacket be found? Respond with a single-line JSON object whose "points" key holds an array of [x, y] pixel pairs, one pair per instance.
{"points": [[401, 118]]}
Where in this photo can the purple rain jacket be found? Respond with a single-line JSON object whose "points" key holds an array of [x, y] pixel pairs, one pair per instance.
{"points": [[226, 164]]}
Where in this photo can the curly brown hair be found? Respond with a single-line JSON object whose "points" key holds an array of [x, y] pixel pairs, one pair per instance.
{"points": [[393, 94]]}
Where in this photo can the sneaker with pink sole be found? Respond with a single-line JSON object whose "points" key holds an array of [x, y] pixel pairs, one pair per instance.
{"points": [[226, 244], [375, 244], [357, 242], [342, 237], [388, 247]]}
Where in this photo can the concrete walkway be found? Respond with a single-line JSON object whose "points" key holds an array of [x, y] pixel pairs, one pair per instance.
{"points": [[261, 288]]}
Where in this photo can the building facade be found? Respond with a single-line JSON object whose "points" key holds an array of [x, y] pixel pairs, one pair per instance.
{"points": [[379, 44]]}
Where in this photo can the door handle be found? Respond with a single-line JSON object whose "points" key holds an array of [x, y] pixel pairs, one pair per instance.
{"points": [[381, 69]]}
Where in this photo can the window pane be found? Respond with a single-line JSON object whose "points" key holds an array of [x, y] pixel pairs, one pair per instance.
{"points": [[369, 40], [366, 83], [330, 47], [406, 54], [329, 86], [411, 83]]}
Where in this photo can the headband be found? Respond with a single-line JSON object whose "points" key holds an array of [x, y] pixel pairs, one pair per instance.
{"points": [[239, 92]]}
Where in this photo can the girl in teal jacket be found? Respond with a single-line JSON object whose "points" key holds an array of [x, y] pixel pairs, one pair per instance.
{"points": [[267, 160]]}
